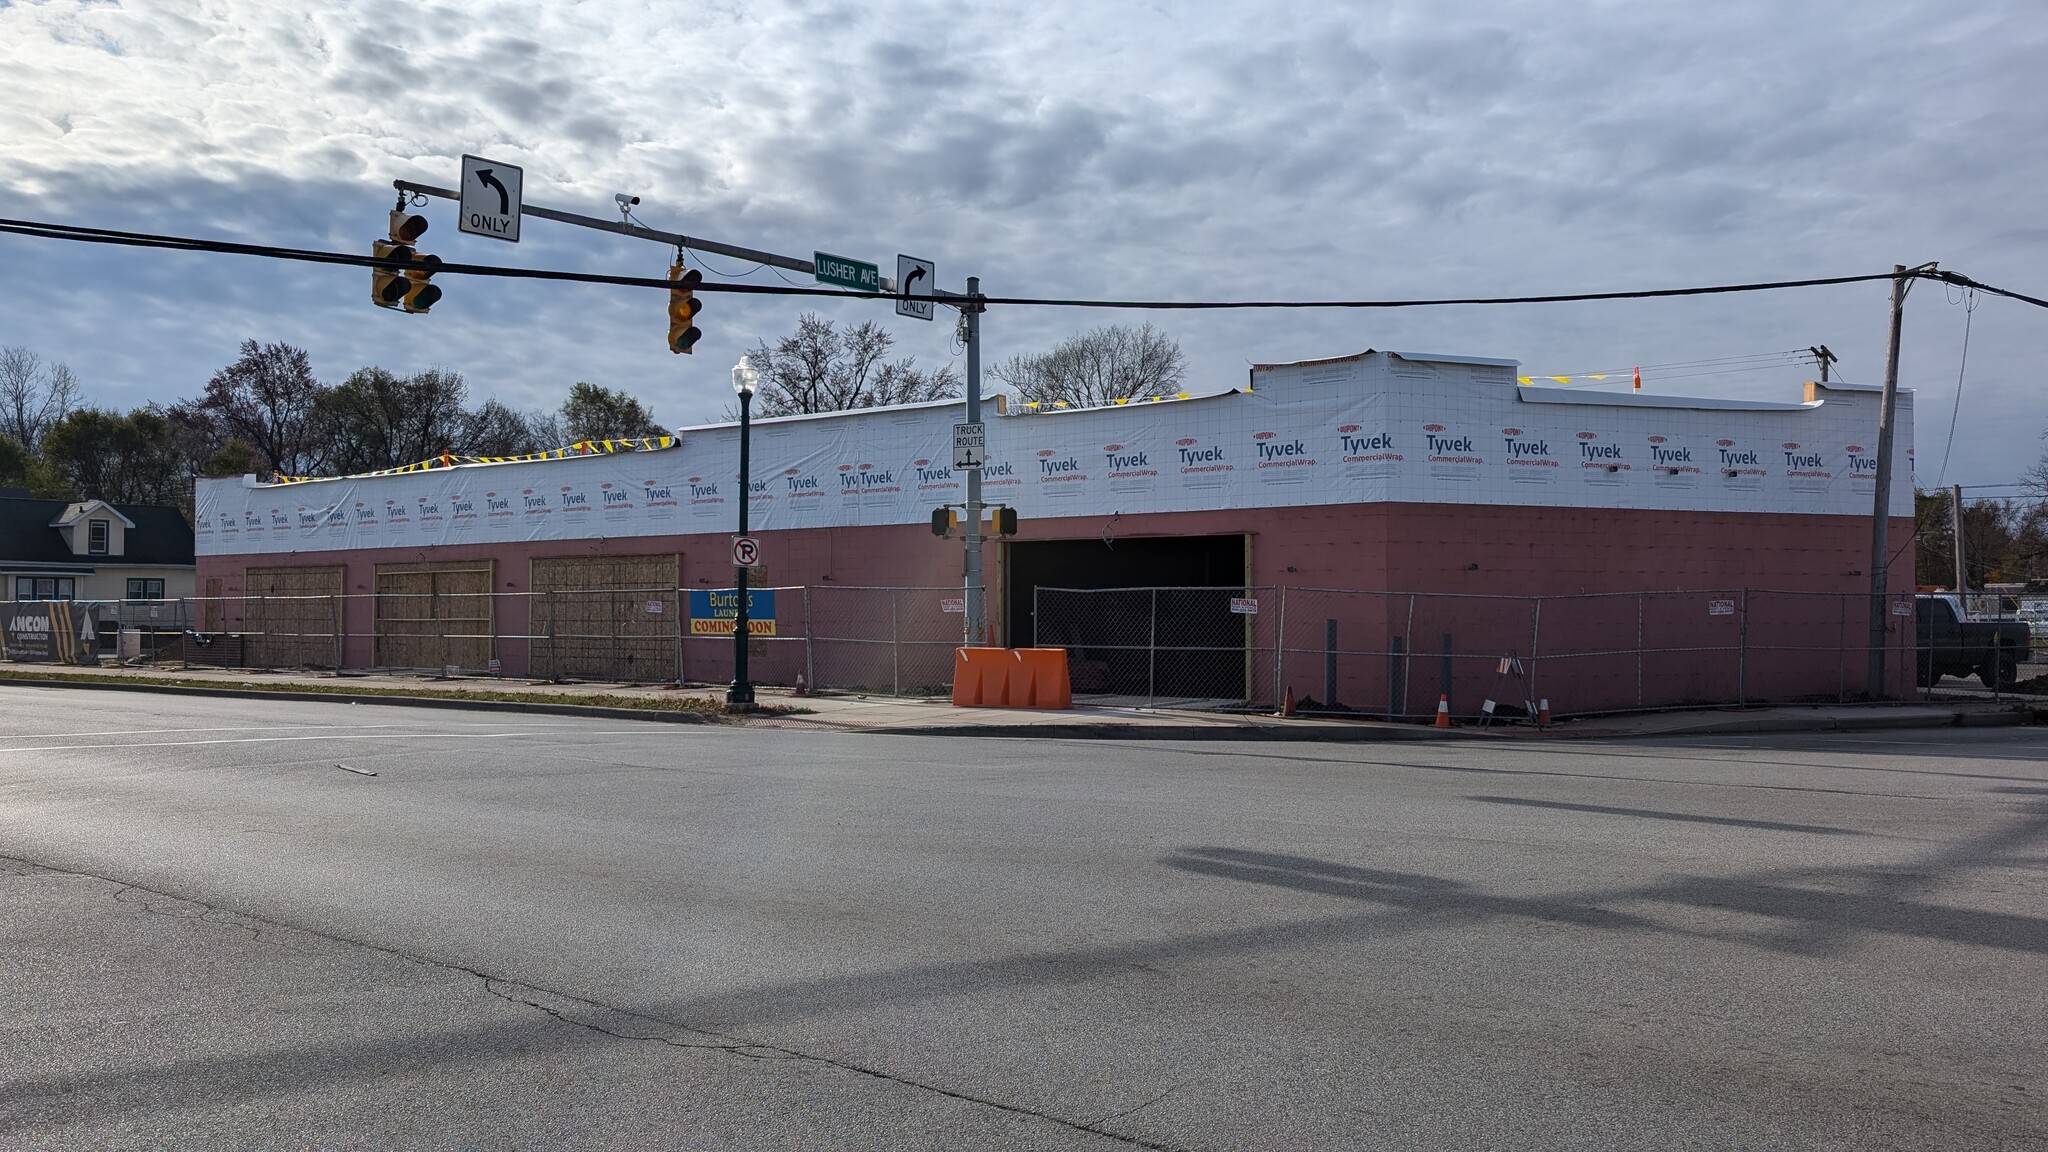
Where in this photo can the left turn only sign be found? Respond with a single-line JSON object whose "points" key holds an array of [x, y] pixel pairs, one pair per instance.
{"points": [[490, 198]]}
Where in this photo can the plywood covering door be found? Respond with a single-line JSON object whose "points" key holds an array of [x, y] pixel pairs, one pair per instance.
{"points": [[606, 617], [291, 616], [435, 615]]}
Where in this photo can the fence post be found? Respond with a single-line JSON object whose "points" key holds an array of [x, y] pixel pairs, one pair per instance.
{"points": [[1329, 662], [1034, 617], [1152, 652], [810, 665], [1408, 663], [337, 615], [1742, 652], [1444, 673], [1842, 652], [895, 649], [1641, 599], [1280, 649], [1535, 639], [1397, 695]]}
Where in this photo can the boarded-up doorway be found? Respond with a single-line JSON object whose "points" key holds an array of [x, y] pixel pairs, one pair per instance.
{"points": [[606, 617], [291, 617], [435, 615]]}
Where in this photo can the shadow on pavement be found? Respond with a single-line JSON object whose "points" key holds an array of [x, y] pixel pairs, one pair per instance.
{"points": [[1684, 817], [1823, 913]]}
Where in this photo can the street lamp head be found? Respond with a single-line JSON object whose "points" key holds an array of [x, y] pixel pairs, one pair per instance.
{"points": [[744, 377]]}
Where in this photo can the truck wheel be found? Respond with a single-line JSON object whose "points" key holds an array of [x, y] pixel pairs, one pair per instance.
{"points": [[2002, 672]]}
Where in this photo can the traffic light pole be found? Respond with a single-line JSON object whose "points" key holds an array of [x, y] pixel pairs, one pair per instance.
{"points": [[970, 305], [620, 228], [976, 602]]}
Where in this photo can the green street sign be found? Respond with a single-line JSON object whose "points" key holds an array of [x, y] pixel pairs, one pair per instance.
{"points": [[855, 274]]}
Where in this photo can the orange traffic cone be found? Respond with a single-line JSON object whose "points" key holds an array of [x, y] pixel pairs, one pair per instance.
{"points": [[1443, 711], [1543, 712], [1287, 705]]}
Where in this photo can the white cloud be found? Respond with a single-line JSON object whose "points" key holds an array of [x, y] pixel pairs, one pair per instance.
{"points": [[1060, 149]]}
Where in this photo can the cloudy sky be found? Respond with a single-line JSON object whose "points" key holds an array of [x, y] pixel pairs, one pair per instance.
{"points": [[1294, 150]]}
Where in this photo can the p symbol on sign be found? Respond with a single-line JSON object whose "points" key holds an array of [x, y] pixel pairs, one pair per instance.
{"points": [[746, 552]]}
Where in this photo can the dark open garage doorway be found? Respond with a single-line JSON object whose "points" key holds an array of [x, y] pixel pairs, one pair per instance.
{"points": [[1145, 619]]}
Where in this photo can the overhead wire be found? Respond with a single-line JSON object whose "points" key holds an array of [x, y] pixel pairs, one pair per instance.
{"points": [[83, 234], [1969, 303], [89, 235]]}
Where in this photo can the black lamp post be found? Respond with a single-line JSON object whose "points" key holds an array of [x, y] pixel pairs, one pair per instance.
{"points": [[741, 695]]}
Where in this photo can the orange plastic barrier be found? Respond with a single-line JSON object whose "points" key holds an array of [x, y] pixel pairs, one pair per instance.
{"points": [[1011, 678]]}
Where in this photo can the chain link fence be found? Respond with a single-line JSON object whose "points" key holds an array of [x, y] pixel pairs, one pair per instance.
{"points": [[1337, 651], [1163, 647]]}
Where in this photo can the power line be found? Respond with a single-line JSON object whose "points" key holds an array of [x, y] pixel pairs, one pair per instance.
{"points": [[1969, 313], [1962, 281], [82, 234]]}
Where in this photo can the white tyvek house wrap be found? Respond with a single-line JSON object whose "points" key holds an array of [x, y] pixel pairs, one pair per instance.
{"points": [[1377, 427]]}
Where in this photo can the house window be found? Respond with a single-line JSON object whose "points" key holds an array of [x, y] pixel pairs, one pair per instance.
{"points": [[96, 534], [140, 589], [45, 588]]}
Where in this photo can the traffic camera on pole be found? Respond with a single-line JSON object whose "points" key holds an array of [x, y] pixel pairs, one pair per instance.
{"points": [[683, 307]]}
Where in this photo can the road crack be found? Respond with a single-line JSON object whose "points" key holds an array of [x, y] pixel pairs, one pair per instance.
{"points": [[200, 911], [740, 1046]]}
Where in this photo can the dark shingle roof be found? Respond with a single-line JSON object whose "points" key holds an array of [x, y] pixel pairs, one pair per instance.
{"points": [[160, 536]]}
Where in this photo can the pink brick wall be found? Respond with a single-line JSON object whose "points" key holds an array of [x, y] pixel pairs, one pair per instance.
{"points": [[1468, 550]]}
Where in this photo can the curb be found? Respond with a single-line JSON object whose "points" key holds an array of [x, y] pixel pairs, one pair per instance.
{"points": [[1760, 725], [1113, 731], [545, 708], [1873, 723]]}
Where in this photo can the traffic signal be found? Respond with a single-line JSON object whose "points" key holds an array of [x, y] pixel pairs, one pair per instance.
{"points": [[406, 287], [420, 295], [387, 285], [944, 520], [683, 307], [1005, 521]]}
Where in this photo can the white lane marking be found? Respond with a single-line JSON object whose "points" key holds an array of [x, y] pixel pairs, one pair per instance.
{"points": [[273, 740], [160, 731]]}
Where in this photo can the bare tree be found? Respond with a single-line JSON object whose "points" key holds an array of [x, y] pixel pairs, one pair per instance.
{"points": [[34, 396], [266, 399], [1100, 366], [494, 429], [544, 426], [594, 412], [377, 419], [821, 368]]}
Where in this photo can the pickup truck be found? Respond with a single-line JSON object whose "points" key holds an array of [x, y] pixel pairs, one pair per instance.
{"points": [[1952, 644]]}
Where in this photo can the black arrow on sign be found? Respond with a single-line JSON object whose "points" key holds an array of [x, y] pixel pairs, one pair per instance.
{"points": [[484, 177], [915, 275]]}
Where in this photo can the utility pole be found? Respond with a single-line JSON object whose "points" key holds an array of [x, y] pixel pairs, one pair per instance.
{"points": [[1955, 529], [976, 624], [1824, 358], [1881, 499]]}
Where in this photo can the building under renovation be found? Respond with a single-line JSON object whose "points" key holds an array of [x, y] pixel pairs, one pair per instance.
{"points": [[1367, 531]]}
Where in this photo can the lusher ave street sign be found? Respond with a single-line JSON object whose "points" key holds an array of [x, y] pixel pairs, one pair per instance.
{"points": [[856, 274]]}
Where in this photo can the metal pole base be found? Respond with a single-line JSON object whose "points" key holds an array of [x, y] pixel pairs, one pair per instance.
{"points": [[740, 697]]}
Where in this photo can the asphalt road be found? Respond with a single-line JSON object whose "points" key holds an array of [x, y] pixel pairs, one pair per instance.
{"points": [[555, 933]]}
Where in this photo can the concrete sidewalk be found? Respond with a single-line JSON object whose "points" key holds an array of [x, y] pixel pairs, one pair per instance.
{"points": [[889, 715]]}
